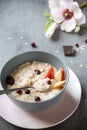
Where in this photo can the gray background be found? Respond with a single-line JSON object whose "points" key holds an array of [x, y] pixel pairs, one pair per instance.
{"points": [[21, 23]]}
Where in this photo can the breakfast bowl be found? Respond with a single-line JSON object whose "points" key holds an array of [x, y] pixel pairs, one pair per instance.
{"points": [[46, 74]]}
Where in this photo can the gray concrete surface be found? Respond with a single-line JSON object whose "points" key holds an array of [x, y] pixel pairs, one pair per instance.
{"points": [[21, 23]]}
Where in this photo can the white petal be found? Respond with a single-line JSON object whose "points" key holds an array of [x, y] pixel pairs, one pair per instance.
{"points": [[68, 25], [53, 4], [51, 30], [57, 14], [65, 3], [82, 20], [76, 10]]}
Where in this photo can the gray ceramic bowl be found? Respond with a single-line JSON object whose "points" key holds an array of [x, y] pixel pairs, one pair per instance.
{"points": [[30, 56]]}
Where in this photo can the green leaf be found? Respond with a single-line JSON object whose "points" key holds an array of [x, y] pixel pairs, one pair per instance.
{"points": [[48, 24], [77, 29], [47, 15]]}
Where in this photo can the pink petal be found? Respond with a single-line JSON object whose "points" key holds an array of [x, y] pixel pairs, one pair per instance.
{"points": [[77, 11], [53, 4], [65, 3], [57, 14], [82, 20], [68, 25]]}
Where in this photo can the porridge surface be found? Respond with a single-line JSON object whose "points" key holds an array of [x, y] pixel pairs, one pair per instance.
{"points": [[33, 74]]}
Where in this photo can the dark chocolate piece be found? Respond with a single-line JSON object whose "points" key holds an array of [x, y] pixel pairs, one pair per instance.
{"points": [[68, 50]]}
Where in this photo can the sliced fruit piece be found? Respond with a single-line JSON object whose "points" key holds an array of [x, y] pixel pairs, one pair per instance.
{"points": [[63, 73], [60, 74], [59, 84], [50, 73]]}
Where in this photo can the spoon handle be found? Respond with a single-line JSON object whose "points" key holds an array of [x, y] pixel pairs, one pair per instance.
{"points": [[13, 89]]}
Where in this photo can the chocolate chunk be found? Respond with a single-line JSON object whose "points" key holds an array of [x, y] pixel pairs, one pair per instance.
{"points": [[68, 50]]}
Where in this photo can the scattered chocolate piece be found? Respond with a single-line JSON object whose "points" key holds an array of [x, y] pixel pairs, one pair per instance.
{"points": [[33, 44], [77, 44], [27, 91], [10, 80], [37, 98], [37, 72], [68, 50], [19, 92]]}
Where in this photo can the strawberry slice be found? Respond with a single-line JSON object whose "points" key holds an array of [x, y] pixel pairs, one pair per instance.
{"points": [[50, 73]]}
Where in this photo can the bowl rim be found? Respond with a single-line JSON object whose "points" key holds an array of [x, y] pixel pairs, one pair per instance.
{"points": [[38, 102]]}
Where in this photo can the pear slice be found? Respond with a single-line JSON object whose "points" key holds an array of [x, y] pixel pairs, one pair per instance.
{"points": [[59, 85], [59, 76]]}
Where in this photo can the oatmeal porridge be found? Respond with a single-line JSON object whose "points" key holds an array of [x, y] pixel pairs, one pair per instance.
{"points": [[45, 78]]}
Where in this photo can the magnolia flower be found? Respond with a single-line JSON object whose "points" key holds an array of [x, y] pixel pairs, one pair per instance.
{"points": [[65, 13]]}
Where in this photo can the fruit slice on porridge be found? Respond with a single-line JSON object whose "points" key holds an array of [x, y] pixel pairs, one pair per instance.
{"points": [[59, 76], [60, 84], [50, 73]]}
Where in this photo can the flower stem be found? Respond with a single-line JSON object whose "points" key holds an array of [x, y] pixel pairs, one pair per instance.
{"points": [[83, 5]]}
